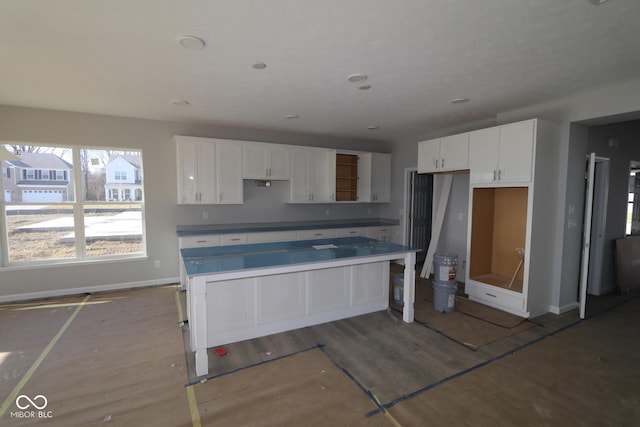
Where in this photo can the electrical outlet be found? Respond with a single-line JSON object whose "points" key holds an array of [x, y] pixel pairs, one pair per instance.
{"points": [[326, 212], [156, 264], [205, 215]]}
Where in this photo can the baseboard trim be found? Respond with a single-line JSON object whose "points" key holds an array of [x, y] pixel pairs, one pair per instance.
{"points": [[88, 289], [563, 309]]}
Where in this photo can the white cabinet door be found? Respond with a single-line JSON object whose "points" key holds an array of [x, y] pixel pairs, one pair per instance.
{"points": [[230, 305], [280, 297], [429, 156], [444, 154], [380, 177], [316, 234], [502, 154], [299, 180], [229, 173], [328, 289], [516, 152], [313, 175], [454, 152], [484, 147], [323, 176], [196, 160], [265, 161], [278, 162], [386, 234], [370, 283]]}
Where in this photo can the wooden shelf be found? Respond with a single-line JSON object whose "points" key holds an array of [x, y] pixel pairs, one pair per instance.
{"points": [[346, 177]]}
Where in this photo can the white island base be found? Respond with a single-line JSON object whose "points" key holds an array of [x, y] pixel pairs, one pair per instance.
{"points": [[234, 306]]}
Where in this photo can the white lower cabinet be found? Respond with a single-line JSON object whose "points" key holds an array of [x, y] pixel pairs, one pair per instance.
{"points": [[367, 286], [231, 306], [351, 232], [386, 234], [242, 309], [316, 234], [280, 297]]}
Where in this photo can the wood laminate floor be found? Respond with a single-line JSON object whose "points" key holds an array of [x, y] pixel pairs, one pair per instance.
{"points": [[118, 359]]}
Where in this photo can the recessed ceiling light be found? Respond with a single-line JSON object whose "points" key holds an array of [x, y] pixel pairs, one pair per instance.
{"points": [[292, 116], [459, 100], [373, 127], [597, 2], [364, 87], [259, 65], [356, 78], [191, 42], [180, 102]]}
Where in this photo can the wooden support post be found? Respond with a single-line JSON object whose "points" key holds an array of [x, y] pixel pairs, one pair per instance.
{"points": [[437, 225]]}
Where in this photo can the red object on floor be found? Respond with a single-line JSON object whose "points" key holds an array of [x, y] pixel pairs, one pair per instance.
{"points": [[220, 351]]}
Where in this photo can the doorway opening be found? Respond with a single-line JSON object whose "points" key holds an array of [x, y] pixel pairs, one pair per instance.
{"points": [[418, 214], [633, 207]]}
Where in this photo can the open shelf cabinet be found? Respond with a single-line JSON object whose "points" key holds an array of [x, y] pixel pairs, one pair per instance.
{"points": [[498, 230], [346, 177]]}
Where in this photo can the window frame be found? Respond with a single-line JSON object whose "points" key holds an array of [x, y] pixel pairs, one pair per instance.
{"points": [[78, 206]]}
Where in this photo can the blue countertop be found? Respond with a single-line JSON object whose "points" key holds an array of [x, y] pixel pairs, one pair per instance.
{"points": [[218, 259], [194, 230]]}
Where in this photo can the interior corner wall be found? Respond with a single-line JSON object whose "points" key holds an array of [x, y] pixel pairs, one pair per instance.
{"points": [[155, 139]]}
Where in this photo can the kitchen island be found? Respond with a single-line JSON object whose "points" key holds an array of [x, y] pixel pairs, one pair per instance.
{"points": [[240, 292]]}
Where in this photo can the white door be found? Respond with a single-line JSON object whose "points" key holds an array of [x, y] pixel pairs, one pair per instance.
{"points": [[7, 195], [586, 242], [598, 226]]}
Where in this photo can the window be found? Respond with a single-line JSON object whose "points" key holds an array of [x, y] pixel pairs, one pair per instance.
{"points": [[120, 175], [77, 214]]}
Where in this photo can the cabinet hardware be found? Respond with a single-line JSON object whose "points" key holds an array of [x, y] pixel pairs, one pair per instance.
{"points": [[495, 174], [201, 241], [499, 174], [442, 163], [490, 295]]}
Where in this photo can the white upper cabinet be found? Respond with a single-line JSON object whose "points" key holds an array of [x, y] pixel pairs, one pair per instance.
{"points": [[502, 154], [313, 175], [265, 161], [450, 153], [209, 171], [196, 176], [229, 172], [380, 178]]}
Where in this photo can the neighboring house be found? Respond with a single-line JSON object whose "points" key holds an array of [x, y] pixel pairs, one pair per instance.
{"points": [[37, 178], [124, 178]]}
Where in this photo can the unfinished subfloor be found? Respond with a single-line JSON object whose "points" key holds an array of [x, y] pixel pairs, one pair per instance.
{"points": [[118, 359]]}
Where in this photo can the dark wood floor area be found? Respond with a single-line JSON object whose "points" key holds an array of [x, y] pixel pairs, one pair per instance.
{"points": [[118, 358]]}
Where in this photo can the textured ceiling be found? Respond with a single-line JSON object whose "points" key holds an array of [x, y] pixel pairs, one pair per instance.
{"points": [[122, 57]]}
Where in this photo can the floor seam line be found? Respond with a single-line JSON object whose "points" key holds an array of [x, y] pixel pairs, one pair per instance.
{"points": [[40, 359]]}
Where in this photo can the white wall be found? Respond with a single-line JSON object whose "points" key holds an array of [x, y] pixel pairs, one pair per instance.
{"points": [[613, 103], [155, 139]]}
